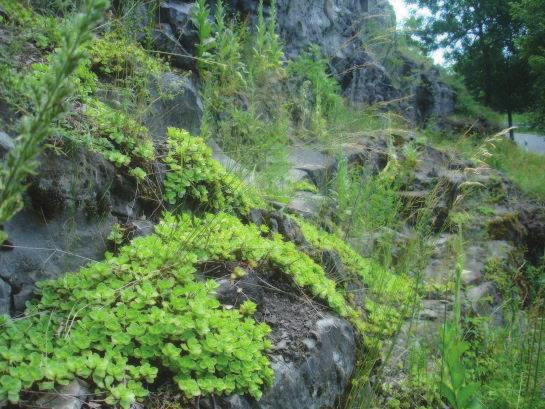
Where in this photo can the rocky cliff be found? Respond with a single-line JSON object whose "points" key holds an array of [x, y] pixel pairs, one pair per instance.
{"points": [[341, 29], [78, 195]]}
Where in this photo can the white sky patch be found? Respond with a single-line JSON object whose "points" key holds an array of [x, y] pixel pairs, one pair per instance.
{"points": [[401, 9], [403, 12]]}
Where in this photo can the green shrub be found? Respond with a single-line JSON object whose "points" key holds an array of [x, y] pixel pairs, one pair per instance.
{"points": [[117, 136], [44, 31], [204, 29], [267, 52], [365, 202], [325, 91], [194, 177], [115, 56]]}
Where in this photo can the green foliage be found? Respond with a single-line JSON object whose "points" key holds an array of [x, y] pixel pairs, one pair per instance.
{"points": [[244, 112], [455, 387], [267, 50], [44, 31], [114, 64], [531, 13], [117, 235], [305, 186], [508, 360], [118, 57], [248, 308], [117, 136], [311, 66], [366, 202], [21, 161], [466, 23], [121, 322], [319, 99], [525, 168], [125, 67], [388, 295], [194, 177], [204, 29]]}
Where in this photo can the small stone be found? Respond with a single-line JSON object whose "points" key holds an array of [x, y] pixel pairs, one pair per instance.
{"points": [[5, 297], [6, 143], [71, 396]]}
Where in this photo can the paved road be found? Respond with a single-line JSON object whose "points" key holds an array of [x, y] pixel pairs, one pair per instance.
{"points": [[533, 143]]}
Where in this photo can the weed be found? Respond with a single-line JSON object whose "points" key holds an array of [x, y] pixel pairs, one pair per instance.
{"points": [[21, 161]]}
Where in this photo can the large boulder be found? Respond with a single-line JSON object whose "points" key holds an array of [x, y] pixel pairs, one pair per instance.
{"points": [[176, 103], [70, 207], [313, 354]]}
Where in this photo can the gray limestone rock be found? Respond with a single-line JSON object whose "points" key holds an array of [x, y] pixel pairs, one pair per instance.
{"points": [[179, 16], [176, 104], [5, 298], [6, 144], [315, 383], [70, 207], [71, 396], [485, 301], [166, 41]]}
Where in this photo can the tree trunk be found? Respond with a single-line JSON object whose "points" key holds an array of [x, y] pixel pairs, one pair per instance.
{"points": [[510, 121]]}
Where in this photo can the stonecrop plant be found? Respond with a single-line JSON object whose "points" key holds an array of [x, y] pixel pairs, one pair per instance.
{"points": [[120, 323], [194, 176], [388, 295], [117, 136]]}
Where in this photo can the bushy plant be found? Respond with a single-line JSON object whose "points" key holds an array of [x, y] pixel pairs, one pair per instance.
{"points": [[325, 96], [44, 31], [117, 136], [455, 386], [267, 50], [194, 177], [367, 202], [204, 29], [116, 56]]}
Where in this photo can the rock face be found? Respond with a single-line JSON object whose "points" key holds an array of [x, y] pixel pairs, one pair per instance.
{"points": [[72, 204], [319, 380], [71, 396], [339, 28], [342, 30], [432, 97], [314, 352], [176, 103]]}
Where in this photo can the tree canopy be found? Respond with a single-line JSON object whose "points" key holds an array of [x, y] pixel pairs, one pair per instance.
{"points": [[483, 39]]}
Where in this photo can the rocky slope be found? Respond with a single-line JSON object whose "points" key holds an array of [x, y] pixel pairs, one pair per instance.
{"points": [[73, 202]]}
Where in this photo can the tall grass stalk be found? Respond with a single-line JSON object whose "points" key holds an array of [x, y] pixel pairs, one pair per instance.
{"points": [[49, 98]]}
